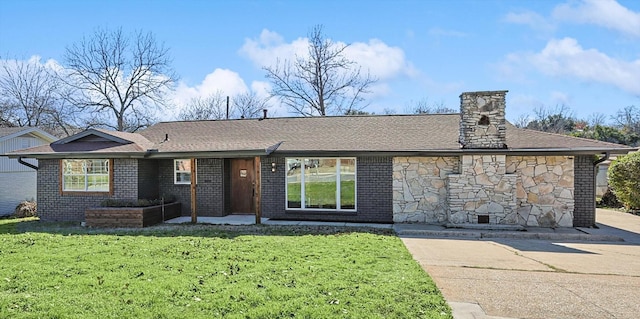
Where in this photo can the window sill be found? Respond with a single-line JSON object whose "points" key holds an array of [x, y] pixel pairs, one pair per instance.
{"points": [[81, 193], [322, 212]]}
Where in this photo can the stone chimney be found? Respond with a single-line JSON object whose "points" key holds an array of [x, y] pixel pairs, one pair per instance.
{"points": [[482, 120]]}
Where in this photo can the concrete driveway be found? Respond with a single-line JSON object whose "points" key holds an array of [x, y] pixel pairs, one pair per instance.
{"points": [[524, 278]]}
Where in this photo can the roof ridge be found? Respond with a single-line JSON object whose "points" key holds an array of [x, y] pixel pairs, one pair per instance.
{"points": [[310, 117]]}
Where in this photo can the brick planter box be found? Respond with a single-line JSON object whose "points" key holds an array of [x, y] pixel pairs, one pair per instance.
{"points": [[130, 216]]}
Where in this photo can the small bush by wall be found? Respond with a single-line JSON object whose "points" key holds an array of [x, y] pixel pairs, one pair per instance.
{"points": [[609, 199], [26, 209], [112, 202]]}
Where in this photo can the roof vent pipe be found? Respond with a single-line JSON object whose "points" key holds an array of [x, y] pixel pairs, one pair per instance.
{"points": [[166, 137], [265, 113], [227, 107]]}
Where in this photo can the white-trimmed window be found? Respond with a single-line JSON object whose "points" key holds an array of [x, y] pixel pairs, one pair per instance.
{"points": [[321, 183], [182, 171], [86, 175]]}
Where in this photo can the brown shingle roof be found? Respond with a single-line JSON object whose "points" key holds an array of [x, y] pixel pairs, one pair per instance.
{"points": [[437, 133], [394, 133]]}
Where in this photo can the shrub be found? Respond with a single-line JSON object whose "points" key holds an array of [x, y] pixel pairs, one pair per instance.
{"points": [[112, 202], [26, 209], [624, 178], [609, 199]]}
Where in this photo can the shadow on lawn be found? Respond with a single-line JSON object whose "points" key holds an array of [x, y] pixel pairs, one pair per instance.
{"points": [[17, 226]]}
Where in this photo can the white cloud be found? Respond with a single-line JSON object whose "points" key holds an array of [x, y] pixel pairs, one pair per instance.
{"points": [[531, 19], [34, 60], [382, 60], [606, 13], [566, 58], [270, 46], [220, 80], [261, 88]]}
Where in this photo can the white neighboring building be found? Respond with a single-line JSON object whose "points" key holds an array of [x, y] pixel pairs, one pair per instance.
{"points": [[17, 181]]}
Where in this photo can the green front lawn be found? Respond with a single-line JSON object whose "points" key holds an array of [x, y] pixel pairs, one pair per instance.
{"points": [[204, 271]]}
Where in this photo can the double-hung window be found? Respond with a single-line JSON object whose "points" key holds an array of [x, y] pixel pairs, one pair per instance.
{"points": [[321, 183], [86, 175], [182, 171]]}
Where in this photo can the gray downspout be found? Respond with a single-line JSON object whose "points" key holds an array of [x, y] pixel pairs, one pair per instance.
{"points": [[27, 164]]}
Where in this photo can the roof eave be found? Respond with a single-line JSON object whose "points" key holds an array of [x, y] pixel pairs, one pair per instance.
{"points": [[207, 154]]}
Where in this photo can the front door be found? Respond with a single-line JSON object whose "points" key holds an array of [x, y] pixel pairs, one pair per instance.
{"points": [[242, 179]]}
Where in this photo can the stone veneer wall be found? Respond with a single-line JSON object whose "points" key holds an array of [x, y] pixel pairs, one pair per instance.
{"points": [[544, 189], [482, 188], [419, 192], [474, 133]]}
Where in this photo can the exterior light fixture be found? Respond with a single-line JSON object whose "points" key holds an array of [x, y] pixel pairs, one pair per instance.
{"points": [[273, 167]]}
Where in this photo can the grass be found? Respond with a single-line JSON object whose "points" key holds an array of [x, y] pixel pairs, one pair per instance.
{"points": [[203, 271]]}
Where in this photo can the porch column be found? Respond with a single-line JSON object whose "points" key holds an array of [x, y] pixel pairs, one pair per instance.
{"points": [[257, 193], [194, 215]]}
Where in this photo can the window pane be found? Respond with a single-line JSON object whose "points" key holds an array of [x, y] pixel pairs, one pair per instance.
{"points": [[183, 177], [98, 183], [97, 166], [294, 180], [183, 165], [320, 183], [182, 171], [72, 166], [73, 183], [348, 183], [85, 175]]}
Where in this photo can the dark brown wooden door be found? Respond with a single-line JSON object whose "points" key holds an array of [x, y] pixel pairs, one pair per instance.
{"points": [[242, 179]]}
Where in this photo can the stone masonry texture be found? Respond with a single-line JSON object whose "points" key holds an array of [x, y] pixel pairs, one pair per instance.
{"points": [[482, 119], [419, 188], [483, 188], [544, 190], [524, 190]]}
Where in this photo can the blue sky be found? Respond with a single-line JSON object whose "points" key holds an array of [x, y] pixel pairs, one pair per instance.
{"points": [[584, 54]]}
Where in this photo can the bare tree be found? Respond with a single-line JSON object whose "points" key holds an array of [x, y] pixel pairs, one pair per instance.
{"points": [[554, 120], [121, 79], [424, 106], [214, 107], [522, 121], [33, 95], [596, 119], [211, 107], [323, 82], [248, 105], [628, 119]]}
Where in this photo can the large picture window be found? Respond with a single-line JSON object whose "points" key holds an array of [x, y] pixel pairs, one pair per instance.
{"points": [[321, 183], [86, 175], [182, 171]]}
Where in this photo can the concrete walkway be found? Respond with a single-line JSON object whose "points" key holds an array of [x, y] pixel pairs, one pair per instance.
{"points": [[251, 219], [560, 274]]}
